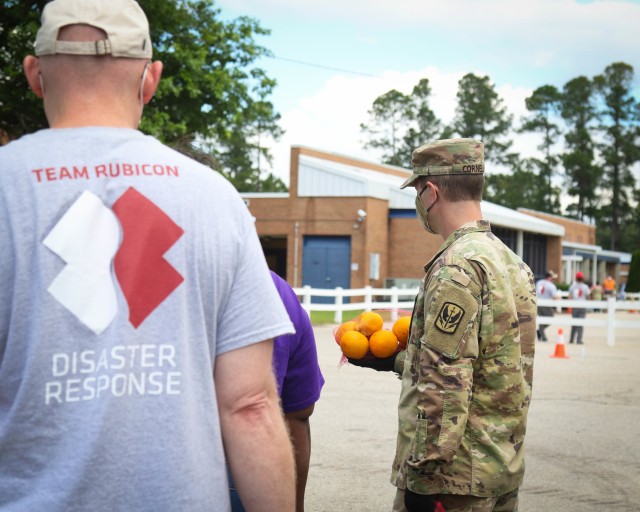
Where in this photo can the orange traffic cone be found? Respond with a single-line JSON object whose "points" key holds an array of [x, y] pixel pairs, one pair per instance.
{"points": [[560, 353]]}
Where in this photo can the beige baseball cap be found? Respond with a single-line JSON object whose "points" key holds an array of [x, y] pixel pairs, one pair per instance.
{"points": [[123, 21], [447, 156]]}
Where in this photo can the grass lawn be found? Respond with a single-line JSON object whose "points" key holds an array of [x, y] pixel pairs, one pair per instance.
{"points": [[326, 317]]}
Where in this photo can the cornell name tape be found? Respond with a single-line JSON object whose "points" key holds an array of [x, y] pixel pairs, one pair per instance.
{"points": [[434, 170]]}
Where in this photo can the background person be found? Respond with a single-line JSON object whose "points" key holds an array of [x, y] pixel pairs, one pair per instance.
{"points": [[133, 352], [578, 290], [295, 363], [622, 292], [546, 289], [597, 293], [609, 285]]}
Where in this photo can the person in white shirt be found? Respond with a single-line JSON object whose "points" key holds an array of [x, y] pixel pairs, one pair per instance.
{"points": [[578, 291], [546, 289]]}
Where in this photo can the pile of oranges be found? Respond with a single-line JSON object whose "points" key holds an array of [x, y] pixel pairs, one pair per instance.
{"points": [[365, 335]]}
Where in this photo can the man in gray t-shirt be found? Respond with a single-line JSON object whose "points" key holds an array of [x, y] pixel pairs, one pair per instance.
{"points": [[546, 289], [136, 306]]}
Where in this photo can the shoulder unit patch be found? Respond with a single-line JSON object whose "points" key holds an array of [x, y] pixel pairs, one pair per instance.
{"points": [[449, 317]]}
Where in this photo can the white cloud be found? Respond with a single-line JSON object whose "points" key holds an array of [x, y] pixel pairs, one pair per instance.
{"points": [[330, 120]]}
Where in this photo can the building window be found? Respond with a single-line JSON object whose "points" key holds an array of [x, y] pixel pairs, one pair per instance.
{"points": [[534, 247], [509, 237], [535, 253]]}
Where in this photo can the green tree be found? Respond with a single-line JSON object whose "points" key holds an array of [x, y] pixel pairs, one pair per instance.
{"points": [[389, 117], [633, 280], [481, 113], [523, 187], [581, 173], [544, 105], [399, 123], [20, 111], [619, 151], [210, 79], [243, 152], [424, 127], [634, 233]]}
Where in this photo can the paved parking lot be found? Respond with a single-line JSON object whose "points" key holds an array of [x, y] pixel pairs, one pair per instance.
{"points": [[583, 438]]}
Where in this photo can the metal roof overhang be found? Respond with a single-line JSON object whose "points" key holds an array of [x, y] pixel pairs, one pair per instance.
{"points": [[319, 177], [588, 251]]}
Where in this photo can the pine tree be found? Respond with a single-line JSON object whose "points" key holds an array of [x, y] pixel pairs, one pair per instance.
{"points": [[481, 113], [619, 124], [389, 117], [582, 175], [425, 126], [544, 104]]}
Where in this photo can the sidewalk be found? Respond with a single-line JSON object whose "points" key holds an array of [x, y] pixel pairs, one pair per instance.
{"points": [[583, 438]]}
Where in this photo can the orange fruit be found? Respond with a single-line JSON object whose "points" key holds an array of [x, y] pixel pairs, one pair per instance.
{"points": [[383, 343], [369, 322], [354, 344], [401, 330], [342, 328]]}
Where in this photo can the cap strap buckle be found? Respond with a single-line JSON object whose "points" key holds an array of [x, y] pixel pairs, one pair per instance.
{"points": [[103, 47]]}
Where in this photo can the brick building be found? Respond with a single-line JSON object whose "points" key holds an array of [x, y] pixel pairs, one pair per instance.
{"points": [[345, 222]]}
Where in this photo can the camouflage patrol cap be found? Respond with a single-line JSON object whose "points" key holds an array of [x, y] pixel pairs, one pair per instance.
{"points": [[447, 156]]}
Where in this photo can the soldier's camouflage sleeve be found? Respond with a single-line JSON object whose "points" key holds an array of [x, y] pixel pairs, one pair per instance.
{"points": [[398, 365], [444, 369]]}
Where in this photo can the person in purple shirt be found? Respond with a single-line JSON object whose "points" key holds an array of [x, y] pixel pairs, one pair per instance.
{"points": [[299, 379]]}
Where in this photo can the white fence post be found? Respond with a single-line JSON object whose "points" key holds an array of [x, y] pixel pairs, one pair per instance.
{"points": [[337, 316], [394, 303], [306, 298], [368, 298], [611, 321]]}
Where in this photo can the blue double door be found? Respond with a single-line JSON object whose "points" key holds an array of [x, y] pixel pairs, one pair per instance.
{"points": [[326, 263]]}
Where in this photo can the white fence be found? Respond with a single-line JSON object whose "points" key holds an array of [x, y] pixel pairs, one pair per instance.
{"points": [[398, 300]]}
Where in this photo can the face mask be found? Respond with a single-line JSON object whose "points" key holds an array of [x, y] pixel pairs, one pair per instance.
{"points": [[41, 84], [423, 213]]}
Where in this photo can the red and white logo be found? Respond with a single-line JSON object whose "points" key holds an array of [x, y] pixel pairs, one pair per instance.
{"points": [[87, 239]]}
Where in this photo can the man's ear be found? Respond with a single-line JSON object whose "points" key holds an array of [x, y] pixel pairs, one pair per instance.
{"points": [[151, 81], [432, 188], [31, 67]]}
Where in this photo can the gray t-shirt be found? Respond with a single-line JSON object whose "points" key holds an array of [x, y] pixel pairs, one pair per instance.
{"points": [[125, 270], [546, 289]]}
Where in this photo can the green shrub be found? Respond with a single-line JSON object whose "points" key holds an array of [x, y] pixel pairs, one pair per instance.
{"points": [[633, 280]]}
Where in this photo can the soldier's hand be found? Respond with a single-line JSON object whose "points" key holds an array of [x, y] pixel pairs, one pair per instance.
{"points": [[379, 364]]}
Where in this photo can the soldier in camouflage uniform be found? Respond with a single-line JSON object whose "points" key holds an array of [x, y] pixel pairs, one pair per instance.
{"points": [[467, 371]]}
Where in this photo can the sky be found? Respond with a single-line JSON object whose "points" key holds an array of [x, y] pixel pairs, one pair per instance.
{"points": [[333, 58]]}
